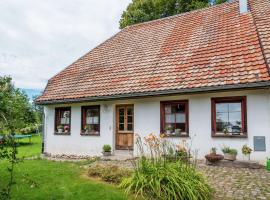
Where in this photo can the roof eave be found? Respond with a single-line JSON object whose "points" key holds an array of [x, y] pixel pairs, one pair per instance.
{"points": [[210, 89]]}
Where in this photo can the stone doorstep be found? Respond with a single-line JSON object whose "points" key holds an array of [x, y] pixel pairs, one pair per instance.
{"points": [[237, 164]]}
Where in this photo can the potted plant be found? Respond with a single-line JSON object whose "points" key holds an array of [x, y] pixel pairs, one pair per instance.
{"points": [[177, 131], [106, 150], [60, 129], [246, 151], [229, 154], [86, 129], [168, 129], [213, 156]]}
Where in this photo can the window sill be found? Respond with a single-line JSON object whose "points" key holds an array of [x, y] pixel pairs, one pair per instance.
{"points": [[56, 133], [90, 134], [175, 136], [229, 136]]}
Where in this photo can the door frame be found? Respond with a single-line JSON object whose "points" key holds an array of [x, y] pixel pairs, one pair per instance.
{"points": [[116, 125]]}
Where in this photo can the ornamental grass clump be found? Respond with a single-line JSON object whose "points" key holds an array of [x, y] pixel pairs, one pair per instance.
{"points": [[157, 176]]}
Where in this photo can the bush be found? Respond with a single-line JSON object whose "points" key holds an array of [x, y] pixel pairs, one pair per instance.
{"points": [[107, 148], [28, 130], [157, 177], [110, 173]]}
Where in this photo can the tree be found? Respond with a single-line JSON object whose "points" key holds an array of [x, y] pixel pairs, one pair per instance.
{"points": [[15, 110], [146, 10]]}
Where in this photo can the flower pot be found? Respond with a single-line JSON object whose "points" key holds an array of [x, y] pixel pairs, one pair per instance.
{"points": [[60, 130], [168, 132], [231, 157], [107, 153], [212, 158]]}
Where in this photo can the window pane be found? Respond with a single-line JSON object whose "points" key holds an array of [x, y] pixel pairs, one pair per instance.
{"points": [[169, 118], [121, 111], [222, 107], [130, 111], [168, 109], [235, 107], [130, 127], [181, 126], [221, 126], [222, 117], [121, 127], [180, 118], [130, 119], [64, 117], [92, 120], [180, 108], [121, 119]]}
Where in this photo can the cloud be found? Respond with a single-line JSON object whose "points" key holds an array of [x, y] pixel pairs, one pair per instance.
{"points": [[41, 37]]}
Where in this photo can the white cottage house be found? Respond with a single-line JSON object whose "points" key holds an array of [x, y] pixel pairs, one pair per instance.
{"points": [[202, 75]]}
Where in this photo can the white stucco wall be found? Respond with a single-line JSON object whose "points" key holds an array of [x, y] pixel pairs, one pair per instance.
{"points": [[147, 120]]}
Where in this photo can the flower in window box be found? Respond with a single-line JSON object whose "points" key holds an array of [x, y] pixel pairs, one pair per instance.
{"points": [[168, 129], [66, 128]]}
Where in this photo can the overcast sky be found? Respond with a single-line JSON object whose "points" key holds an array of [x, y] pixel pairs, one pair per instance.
{"points": [[38, 38]]}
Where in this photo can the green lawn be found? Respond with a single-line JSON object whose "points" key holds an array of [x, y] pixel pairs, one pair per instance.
{"points": [[42, 179]]}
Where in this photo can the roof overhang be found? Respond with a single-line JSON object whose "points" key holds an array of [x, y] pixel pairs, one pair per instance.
{"points": [[183, 91]]}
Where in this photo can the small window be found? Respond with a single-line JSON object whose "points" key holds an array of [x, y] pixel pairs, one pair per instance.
{"points": [[90, 120], [229, 117], [62, 120], [174, 118]]}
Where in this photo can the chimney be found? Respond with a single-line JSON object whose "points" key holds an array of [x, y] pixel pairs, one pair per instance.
{"points": [[243, 6]]}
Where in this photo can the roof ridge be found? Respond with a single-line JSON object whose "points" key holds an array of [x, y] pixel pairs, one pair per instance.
{"points": [[181, 14]]}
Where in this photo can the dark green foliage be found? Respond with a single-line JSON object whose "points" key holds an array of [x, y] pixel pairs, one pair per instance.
{"points": [[110, 173], [146, 10]]}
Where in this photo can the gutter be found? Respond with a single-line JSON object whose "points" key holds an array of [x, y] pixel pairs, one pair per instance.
{"points": [[183, 91]]}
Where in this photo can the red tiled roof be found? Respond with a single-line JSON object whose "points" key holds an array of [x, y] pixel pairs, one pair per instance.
{"points": [[215, 46]]}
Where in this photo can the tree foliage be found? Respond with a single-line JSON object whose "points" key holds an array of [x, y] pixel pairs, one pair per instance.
{"points": [[146, 10], [15, 109]]}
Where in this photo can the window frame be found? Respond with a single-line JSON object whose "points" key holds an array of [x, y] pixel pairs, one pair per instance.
{"points": [[235, 99], [162, 117], [83, 119], [56, 114]]}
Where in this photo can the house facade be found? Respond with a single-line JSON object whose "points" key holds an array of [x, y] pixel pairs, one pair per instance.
{"points": [[200, 77]]}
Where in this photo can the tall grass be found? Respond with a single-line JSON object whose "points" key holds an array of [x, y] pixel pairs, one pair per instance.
{"points": [[157, 176]]}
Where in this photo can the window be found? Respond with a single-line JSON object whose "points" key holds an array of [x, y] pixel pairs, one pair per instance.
{"points": [[125, 118], [62, 120], [229, 117], [90, 120], [174, 118]]}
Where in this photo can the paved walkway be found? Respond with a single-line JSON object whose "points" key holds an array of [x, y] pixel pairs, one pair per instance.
{"points": [[237, 183]]}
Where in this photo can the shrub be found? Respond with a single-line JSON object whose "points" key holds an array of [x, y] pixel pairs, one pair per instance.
{"points": [[109, 173], [28, 130], [107, 148], [157, 177]]}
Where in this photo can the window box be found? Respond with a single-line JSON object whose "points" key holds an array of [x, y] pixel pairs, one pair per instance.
{"points": [[62, 121], [90, 121], [229, 117], [174, 118]]}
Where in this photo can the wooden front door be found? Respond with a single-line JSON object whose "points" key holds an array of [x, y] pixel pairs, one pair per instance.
{"points": [[124, 127]]}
